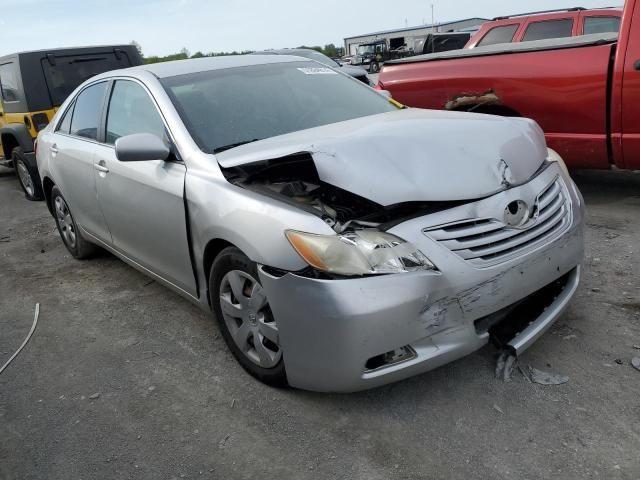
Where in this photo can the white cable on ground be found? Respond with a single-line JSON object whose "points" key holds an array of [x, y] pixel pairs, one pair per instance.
{"points": [[33, 329]]}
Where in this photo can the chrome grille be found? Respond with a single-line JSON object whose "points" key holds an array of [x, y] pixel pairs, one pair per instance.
{"points": [[488, 241]]}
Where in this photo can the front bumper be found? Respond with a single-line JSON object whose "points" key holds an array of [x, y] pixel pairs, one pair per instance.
{"points": [[330, 329]]}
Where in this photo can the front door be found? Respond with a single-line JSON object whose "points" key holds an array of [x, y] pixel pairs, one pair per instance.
{"points": [[631, 96], [143, 202]]}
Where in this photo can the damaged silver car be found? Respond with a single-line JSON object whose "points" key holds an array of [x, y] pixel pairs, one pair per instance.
{"points": [[341, 242]]}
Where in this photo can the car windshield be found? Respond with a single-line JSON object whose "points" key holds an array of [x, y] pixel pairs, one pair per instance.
{"points": [[228, 107], [364, 49]]}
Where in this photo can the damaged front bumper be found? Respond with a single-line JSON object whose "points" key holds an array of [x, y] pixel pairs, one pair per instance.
{"points": [[353, 334]]}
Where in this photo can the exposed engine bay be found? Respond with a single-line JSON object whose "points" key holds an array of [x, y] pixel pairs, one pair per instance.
{"points": [[295, 179]]}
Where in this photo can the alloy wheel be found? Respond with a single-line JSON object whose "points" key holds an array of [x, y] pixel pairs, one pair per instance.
{"points": [[249, 319], [25, 178], [65, 222]]}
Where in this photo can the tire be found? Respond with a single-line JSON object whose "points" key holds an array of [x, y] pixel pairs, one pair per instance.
{"points": [[27, 175], [375, 67], [78, 247], [247, 323]]}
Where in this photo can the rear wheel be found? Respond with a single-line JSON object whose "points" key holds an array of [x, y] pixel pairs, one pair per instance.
{"points": [[71, 236], [27, 175], [375, 67], [246, 321]]}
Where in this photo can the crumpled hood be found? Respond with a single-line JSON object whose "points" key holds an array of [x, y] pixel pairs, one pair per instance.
{"points": [[412, 154]]}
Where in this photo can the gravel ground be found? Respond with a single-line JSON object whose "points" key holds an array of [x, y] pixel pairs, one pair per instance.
{"points": [[124, 379]]}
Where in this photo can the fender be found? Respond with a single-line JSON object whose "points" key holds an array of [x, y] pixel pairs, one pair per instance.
{"points": [[21, 136]]}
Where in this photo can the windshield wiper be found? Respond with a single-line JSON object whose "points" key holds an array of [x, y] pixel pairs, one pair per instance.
{"points": [[234, 145]]}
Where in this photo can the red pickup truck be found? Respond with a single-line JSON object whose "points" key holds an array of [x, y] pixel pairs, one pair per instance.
{"points": [[583, 91], [548, 24]]}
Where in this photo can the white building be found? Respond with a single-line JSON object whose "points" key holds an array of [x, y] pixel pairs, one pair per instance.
{"points": [[410, 36]]}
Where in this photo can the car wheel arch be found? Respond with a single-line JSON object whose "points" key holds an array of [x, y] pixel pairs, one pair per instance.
{"points": [[211, 252], [47, 187], [9, 142]]}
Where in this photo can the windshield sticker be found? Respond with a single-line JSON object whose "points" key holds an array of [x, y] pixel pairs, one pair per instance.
{"points": [[317, 71]]}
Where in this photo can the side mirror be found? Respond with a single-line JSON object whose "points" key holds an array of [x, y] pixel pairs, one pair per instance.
{"points": [[141, 147]]}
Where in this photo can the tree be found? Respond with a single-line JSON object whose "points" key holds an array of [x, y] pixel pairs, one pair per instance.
{"points": [[138, 47], [330, 50], [198, 54]]}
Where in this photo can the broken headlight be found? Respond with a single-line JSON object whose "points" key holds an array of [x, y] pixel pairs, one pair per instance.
{"points": [[554, 156], [361, 252]]}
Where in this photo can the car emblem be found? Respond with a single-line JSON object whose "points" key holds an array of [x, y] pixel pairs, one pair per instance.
{"points": [[517, 214]]}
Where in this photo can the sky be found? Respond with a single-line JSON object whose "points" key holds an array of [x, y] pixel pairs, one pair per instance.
{"points": [[162, 27]]}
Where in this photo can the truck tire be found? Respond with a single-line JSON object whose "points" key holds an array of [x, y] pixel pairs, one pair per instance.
{"points": [[375, 67], [71, 236], [27, 175], [246, 322]]}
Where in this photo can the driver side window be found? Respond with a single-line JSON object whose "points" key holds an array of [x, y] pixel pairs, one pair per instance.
{"points": [[131, 110]]}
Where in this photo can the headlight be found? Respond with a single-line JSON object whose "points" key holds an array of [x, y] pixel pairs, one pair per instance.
{"points": [[554, 156], [361, 252]]}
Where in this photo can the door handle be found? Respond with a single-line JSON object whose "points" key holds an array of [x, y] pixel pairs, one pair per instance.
{"points": [[53, 148], [101, 168]]}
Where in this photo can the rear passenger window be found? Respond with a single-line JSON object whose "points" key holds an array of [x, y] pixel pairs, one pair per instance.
{"points": [[9, 82], [502, 34], [548, 29], [86, 114], [65, 125], [601, 25], [131, 110]]}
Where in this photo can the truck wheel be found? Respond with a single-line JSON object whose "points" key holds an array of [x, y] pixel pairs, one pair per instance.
{"points": [[78, 247], [27, 175], [375, 67], [246, 321]]}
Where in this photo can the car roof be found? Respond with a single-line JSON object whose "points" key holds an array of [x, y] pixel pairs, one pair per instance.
{"points": [[287, 51], [552, 15], [197, 65]]}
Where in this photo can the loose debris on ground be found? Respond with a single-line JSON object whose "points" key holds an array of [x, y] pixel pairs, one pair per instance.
{"points": [[507, 363]]}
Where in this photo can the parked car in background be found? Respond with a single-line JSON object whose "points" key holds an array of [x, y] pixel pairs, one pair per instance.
{"points": [[356, 72], [583, 91], [342, 243], [548, 24], [33, 85]]}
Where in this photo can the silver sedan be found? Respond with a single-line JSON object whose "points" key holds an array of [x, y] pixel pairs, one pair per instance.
{"points": [[342, 242]]}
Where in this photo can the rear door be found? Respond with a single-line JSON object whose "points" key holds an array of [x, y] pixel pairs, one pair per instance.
{"points": [[143, 202], [72, 148]]}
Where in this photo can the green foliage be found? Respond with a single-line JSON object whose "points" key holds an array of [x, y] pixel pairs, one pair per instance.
{"points": [[329, 50], [184, 54]]}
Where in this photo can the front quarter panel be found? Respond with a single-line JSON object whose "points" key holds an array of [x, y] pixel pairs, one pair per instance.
{"points": [[254, 223]]}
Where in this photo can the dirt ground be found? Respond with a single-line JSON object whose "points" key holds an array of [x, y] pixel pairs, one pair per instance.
{"points": [[124, 379]]}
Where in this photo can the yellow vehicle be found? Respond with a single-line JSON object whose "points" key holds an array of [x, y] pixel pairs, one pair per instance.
{"points": [[32, 87]]}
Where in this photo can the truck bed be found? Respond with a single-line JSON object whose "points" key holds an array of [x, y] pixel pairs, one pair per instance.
{"points": [[563, 84], [505, 48]]}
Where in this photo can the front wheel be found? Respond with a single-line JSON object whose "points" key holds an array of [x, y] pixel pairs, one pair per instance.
{"points": [[242, 309], [375, 67], [27, 175]]}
